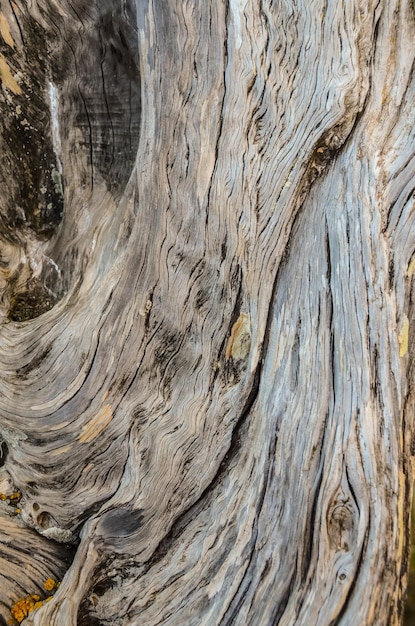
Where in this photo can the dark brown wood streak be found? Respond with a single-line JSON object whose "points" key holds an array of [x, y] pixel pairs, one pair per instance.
{"points": [[207, 260]]}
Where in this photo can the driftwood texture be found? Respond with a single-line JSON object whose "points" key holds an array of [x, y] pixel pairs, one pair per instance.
{"points": [[207, 331]]}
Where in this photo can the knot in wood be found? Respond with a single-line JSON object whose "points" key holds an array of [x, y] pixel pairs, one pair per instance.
{"points": [[341, 525]]}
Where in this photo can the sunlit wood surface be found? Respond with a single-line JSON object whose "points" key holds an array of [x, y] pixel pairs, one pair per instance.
{"points": [[207, 310]]}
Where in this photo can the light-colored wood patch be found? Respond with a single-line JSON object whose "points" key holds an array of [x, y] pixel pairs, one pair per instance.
{"points": [[96, 425], [411, 268], [5, 31], [61, 450], [239, 343], [404, 337], [7, 78]]}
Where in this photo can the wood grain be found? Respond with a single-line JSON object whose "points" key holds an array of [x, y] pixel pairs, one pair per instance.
{"points": [[207, 250]]}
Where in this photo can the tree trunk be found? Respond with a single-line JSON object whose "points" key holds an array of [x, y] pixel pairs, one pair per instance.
{"points": [[207, 278]]}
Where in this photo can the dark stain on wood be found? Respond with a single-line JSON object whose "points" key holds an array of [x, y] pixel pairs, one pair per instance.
{"points": [[30, 178], [22, 372], [119, 523]]}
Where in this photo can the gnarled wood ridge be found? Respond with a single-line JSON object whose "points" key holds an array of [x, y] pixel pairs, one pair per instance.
{"points": [[207, 310]]}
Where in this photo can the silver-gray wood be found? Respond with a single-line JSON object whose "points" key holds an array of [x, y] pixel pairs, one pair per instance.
{"points": [[207, 259]]}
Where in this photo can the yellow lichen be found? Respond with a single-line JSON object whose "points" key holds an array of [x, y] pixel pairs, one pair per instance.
{"points": [[22, 607], [49, 584], [11, 498]]}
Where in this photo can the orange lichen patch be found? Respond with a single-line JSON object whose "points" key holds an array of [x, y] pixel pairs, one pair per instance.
{"points": [[11, 498], [24, 606], [96, 425], [5, 31], [7, 78], [49, 584]]}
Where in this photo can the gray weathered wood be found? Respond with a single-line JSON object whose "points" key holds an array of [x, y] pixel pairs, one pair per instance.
{"points": [[207, 259]]}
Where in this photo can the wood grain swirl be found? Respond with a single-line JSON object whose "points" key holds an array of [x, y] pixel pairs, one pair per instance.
{"points": [[207, 251]]}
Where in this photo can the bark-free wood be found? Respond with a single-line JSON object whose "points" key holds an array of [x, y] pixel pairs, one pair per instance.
{"points": [[208, 251]]}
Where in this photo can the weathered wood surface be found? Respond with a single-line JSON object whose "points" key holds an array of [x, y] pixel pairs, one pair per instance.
{"points": [[207, 261]]}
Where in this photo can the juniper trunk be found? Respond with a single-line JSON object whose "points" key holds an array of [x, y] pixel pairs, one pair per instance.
{"points": [[207, 310]]}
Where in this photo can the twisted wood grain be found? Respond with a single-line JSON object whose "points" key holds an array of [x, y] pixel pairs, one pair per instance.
{"points": [[206, 345]]}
